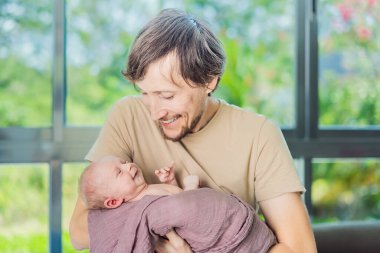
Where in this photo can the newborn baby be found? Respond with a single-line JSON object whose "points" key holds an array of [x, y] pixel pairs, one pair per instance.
{"points": [[208, 220]]}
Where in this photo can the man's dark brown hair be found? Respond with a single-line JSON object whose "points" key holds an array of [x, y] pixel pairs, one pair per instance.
{"points": [[200, 54]]}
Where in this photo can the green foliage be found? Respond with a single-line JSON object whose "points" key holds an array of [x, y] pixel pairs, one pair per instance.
{"points": [[26, 243], [33, 243], [350, 89], [91, 96], [24, 206], [24, 195], [25, 97], [346, 190]]}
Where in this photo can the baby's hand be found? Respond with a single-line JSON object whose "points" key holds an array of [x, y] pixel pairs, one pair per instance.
{"points": [[166, 174]]}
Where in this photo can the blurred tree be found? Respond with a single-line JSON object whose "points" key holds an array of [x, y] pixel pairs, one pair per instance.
{"points": [[25, 63], [346, 189], [350, 55]]}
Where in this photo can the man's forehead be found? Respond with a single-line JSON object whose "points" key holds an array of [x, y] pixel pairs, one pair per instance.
{"points": [[164, 74]]}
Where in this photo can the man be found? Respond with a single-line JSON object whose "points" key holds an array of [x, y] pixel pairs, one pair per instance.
{"points": [[176, 62]]}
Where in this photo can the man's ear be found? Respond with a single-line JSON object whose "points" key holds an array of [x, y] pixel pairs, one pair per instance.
{"points": [[212, 85], [113, 203]]}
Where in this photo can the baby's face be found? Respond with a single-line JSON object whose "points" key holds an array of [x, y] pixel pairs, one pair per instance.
{"points": [[121, 179]]}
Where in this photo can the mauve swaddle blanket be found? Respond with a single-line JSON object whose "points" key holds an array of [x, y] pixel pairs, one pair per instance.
{"points": [[208, 220]]}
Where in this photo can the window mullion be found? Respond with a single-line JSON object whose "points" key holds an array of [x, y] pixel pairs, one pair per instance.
{"points": [[55, 207], [300, 68], [59, 70], [311, 70]]}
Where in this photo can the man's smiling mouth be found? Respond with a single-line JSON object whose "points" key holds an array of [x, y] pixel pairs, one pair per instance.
{"points": [[169, 121]]}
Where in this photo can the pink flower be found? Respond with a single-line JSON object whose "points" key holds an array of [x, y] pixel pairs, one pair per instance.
{"points": [[364, 33], [345, 12], [372, 3]]}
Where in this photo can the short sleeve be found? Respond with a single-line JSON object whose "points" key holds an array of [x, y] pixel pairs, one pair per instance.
{"points": [[114, 138], [275, 173]]}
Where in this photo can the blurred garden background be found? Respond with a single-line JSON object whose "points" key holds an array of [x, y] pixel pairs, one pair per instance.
{"points": [[259, 40]]}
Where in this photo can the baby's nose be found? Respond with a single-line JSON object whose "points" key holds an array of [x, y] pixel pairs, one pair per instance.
{"points": [[128, 166]]}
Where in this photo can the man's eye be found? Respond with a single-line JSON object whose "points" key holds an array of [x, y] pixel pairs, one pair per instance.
{"points": [[167, 97]]}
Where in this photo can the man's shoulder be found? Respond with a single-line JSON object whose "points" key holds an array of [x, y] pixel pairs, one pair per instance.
{"points": [[131, 100], [129, 105], [244, 121], [241, 115]]}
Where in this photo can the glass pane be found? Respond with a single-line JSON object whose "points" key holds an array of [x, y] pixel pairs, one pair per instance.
{"points": [[300, 168], [24, 208], [349, 35], [71, 173], [345, 189], [99, 35], [258, 37], [25, 63], [260, 58]]}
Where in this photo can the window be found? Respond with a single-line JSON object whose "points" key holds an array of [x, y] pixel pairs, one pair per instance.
{"points": [[345, 189], [26, 44], [349, 84], [260, 58], [23, 207], [96, 49], [309, 65]]}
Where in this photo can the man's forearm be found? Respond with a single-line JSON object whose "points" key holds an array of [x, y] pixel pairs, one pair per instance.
{"points": [[78, 228], [78, 238], [280, 248]]}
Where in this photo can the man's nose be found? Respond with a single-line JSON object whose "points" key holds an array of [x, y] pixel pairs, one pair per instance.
{"points": [[156, 109]]}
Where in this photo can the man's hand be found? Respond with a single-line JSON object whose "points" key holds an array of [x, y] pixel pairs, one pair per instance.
{"points": [[191, 182], [174, 244]]}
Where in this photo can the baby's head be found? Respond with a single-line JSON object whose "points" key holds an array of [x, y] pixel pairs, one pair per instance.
{"points": [[110, 182]]}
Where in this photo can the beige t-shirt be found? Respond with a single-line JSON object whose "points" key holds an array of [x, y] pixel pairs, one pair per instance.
{"points": [[237, 151]]}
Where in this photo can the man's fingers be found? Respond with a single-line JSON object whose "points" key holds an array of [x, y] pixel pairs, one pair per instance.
{"points": [[175, 239], [175, 244], [164, 246]]}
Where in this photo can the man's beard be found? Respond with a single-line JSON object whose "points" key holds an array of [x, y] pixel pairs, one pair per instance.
{"points": [[184, 131]]}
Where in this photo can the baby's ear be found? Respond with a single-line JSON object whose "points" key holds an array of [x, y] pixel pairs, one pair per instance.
{"points": [[112, 202]]}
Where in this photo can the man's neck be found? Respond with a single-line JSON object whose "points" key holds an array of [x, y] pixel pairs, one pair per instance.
{"points": [[212, 106]]}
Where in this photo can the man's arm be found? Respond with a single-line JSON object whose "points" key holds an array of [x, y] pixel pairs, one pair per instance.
{"points": [[286, 215], [174, 244], [78, 226]]}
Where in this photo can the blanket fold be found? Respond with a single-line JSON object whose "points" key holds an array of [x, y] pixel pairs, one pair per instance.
{"points": [[208, 220]]}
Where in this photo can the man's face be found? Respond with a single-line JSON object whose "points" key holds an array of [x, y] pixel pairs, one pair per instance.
{"points": [[176, 106]]}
